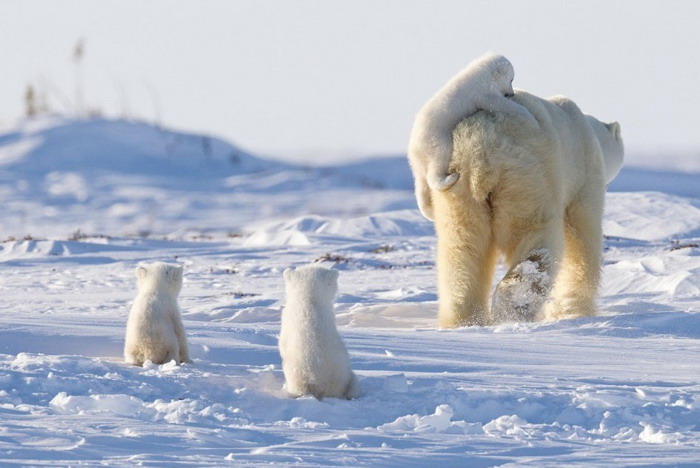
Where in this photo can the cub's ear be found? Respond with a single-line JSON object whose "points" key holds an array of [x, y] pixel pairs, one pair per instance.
{"points": [[140, 272], [176, 274], [615, 129], [502, 66], [333, 274], [288, 274]]}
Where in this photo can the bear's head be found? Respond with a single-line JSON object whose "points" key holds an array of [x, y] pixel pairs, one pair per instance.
{"points": [[609, 137], [315, 282], [159, 276], [501, 73]]}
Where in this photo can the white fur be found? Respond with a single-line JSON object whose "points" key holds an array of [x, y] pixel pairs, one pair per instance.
{"points": [[154, 331], [314, 357], [610, 140], [485, 84], [536, 197]]}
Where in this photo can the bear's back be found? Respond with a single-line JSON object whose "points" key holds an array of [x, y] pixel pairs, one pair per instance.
{"points": [[496, 150]]}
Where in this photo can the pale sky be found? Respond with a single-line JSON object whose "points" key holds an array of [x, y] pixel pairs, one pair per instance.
{"points": [[324, 78]]}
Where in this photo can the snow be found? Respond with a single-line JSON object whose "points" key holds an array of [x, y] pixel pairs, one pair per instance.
{"points": [[619, 389]]}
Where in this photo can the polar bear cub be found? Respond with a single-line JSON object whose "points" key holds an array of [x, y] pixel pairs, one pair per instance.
{"points": [[314, 358], [485, 84], [154, 330]]}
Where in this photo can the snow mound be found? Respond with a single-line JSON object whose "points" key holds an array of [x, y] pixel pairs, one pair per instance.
{"points": [[32, 248], [270, 238], [675, 275], [99, 145], [379, 172], [402, 223], [651, 216], [143, 180]]}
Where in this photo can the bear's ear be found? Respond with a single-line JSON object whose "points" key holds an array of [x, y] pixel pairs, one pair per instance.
{"points": [[615, 129], [288, 274], [140, 272]]}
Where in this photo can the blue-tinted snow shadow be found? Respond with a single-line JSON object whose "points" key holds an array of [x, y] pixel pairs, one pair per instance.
{"points": [[15, 342], [635, 320], [56, 259], [635, 179]]}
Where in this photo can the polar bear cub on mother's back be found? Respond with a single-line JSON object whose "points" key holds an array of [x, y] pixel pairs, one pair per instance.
{"points": [[154, 330], [485, 84], [314, 357]]}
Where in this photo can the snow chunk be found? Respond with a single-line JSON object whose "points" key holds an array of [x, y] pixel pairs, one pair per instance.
{"points": [[122, 405], [395, 383], [654, 435], [300, 423], [440, 421], [510, 425], [171, 411]]}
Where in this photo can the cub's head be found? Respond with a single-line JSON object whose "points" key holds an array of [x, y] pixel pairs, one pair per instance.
{"points": [[501, 73], [609, 137], [159, 276], [318, 283]]}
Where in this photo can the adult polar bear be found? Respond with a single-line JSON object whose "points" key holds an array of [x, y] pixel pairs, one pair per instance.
{"points": [[535, 196]]}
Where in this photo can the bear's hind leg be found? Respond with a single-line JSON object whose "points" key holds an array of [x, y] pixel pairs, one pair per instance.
{"points": [[523, 291], [353, 388], [577, 284], [169, 355], [133, 357], [162, 351], [466, 256], [183, 348]]}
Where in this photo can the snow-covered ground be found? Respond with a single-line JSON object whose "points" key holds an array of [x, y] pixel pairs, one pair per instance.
{"points": [[84, 202]]}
